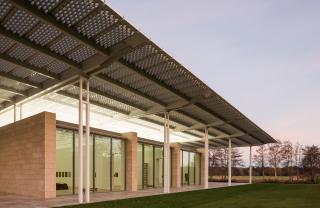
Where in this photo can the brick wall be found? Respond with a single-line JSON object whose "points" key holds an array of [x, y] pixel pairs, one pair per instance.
{"points": [[27, 157]]}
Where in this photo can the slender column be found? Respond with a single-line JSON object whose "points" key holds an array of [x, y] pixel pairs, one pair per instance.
{"points": [[229, 163], [206, 158], [21, 112], [14, 113], [80, 170], [166, 184], [88, 142], [250, 165], [169, 153]]}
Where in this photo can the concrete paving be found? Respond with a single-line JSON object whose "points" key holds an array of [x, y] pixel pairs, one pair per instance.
{"points": [[14, 201]]}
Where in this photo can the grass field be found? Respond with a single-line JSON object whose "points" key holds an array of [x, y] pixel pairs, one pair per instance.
{"points": [[254, 178], [247, 196]]}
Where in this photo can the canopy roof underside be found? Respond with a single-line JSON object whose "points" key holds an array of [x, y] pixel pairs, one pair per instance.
{"points": [[45, 45]]}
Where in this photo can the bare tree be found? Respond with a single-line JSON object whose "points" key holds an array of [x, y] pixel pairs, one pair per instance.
{"points": [[287, 156], [259, 158], [297, 151], [274, 155], [311, 160], [236, 158]]}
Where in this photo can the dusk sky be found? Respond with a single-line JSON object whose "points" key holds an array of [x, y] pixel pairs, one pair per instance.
{"points": [[262, 56]]}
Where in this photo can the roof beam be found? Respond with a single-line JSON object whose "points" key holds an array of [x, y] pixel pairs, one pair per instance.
{"points": [[29, 67], [12, 90], [64, 93], [201, 126], [228, 136], [164, 108], [120, 85], [6, 99], [21, 80]]}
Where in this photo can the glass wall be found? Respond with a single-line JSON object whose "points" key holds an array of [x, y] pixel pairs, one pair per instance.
{"points": [[190, 168], [150, 166], [64, 158], [139, 165], [102, 163], [185, 168], [118, 165], [107, 166], [158, 167]]}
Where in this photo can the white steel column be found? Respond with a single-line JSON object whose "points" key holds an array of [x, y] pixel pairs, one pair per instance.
{"points": [[14, 113], [21, 112], [80, 170], [87, 196], [166, 147], [250, 165], [206, 159], [229, 163]]}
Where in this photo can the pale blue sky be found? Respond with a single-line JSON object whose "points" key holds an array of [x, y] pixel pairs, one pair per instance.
{"points": [[263, 56]]}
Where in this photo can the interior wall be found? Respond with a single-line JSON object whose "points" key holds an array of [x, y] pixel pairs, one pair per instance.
{"points": [[27, 157]]}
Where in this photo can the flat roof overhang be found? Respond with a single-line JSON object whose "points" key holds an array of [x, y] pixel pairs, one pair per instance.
{"points": [[46, 45]]}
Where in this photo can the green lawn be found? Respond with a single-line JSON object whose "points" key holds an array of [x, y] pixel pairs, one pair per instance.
{"points": [[247, 196]]}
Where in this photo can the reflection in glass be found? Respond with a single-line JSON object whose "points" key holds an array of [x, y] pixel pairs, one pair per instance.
{"points": [[64, 162], [102, 163], [185, 168], [139, 166], [118, 165], [197, 169], [148, 166], [191, 168], [158, 170]]}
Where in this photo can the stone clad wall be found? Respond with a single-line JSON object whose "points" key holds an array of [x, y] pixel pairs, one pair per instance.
{"points": [[27, 157], [131, 160]]}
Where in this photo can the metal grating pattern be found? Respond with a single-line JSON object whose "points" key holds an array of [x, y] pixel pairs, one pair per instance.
{"points": [[44, 35], [37, 78], [4, 8], [74, 10], [198, 113], [22, 73], [115, 36], [82, 54], [40, 60], [57, 67], [5, 44], [152, 61], [140, 53], [64, 45], [21, 53], [122, 95], [97, 23], [135, 81], [101, 100], [45, 5], [20, 22], [6, 66]]}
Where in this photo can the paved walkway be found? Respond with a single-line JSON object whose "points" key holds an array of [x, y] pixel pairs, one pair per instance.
{"points": [[13, 201]]}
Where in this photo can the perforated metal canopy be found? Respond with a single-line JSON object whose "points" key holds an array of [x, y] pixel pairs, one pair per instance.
{"points": [[45, 45]]}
